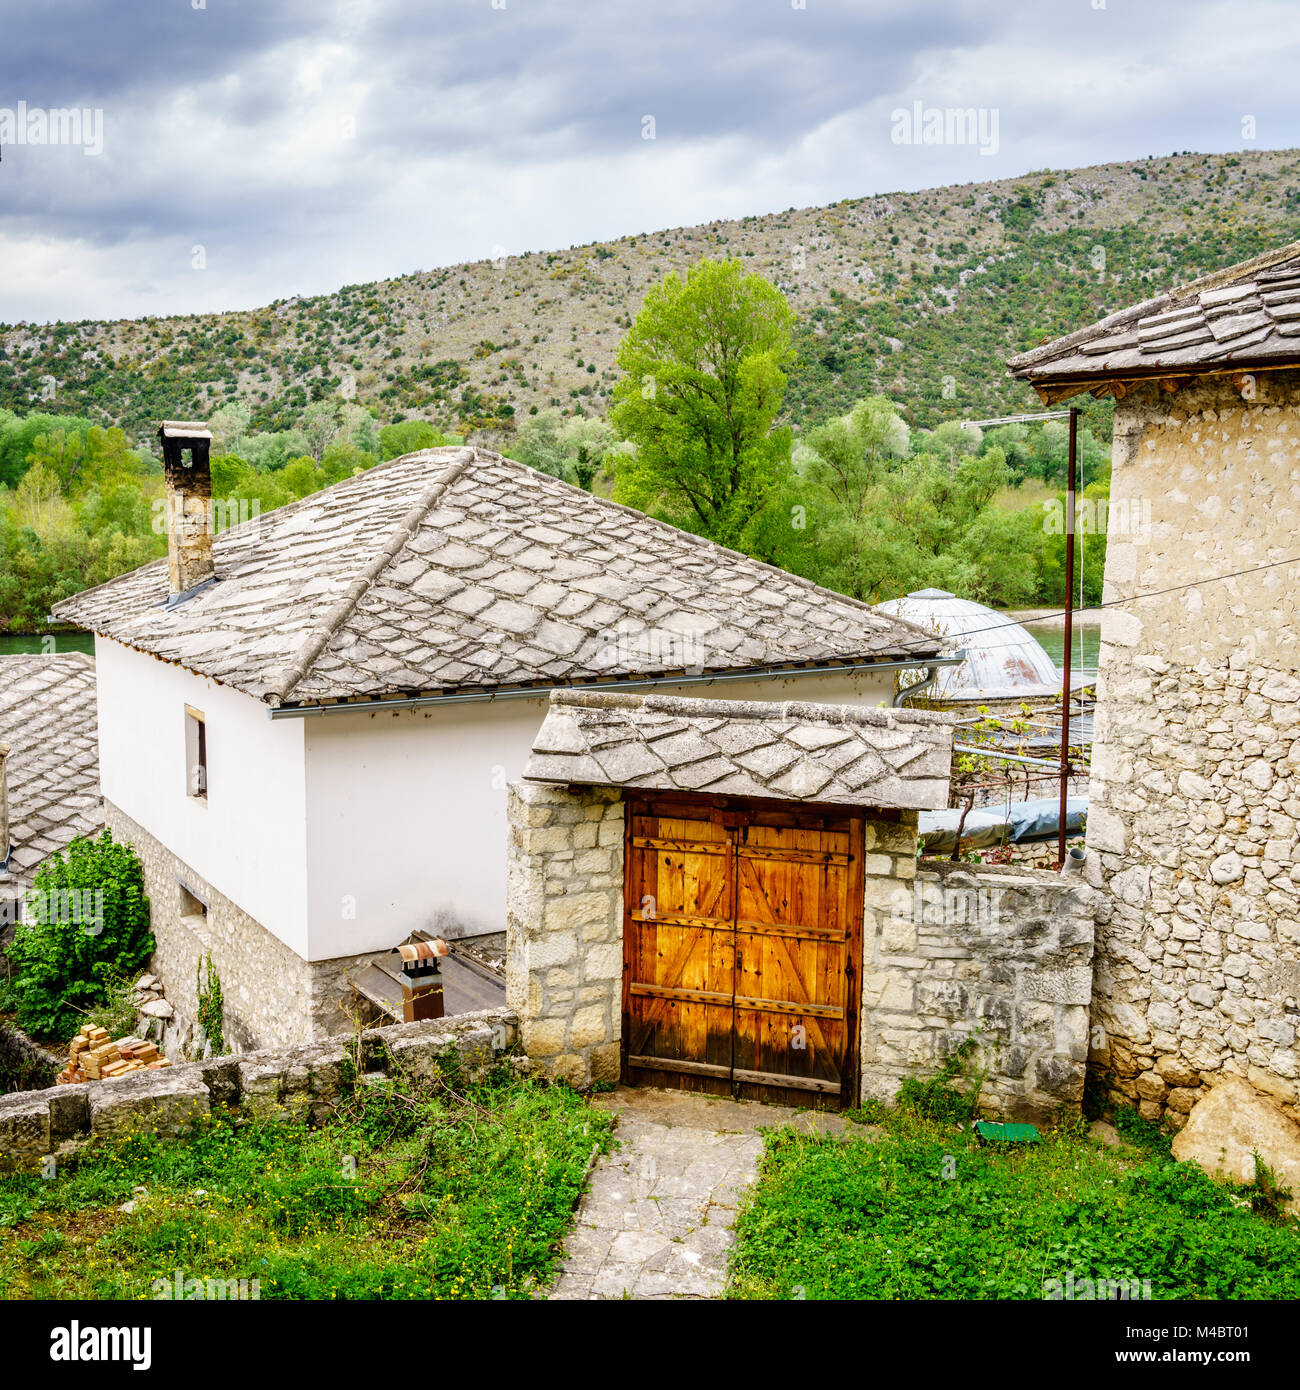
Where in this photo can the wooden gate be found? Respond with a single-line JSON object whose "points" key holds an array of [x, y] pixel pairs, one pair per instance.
{"points": [[741, 949]]}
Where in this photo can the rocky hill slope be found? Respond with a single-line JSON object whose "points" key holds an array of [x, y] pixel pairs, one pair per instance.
{"points": [[919, 295]]}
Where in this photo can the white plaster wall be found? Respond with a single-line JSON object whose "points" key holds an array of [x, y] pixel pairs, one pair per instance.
{"points": [[248, 839], [407, 809]]}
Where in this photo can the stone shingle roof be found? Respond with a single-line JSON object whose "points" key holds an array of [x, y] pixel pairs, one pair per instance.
{"points": [[842, 754], [457, 569], [1245, 316], [48, 719]]}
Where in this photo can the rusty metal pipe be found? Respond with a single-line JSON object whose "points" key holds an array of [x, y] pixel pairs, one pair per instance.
{"points": [[1071, 489]]}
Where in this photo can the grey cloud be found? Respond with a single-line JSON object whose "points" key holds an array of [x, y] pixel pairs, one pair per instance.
{"points": [[521, 127]]}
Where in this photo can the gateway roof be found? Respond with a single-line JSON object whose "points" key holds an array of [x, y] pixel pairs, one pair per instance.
{"points": [[792, 751], [456, 570]]}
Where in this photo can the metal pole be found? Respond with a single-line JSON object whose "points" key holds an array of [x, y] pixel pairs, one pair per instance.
{"points": [[1071, 488]]}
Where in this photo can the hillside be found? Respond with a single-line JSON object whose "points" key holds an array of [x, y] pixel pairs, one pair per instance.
{"points": [[917, 295]]}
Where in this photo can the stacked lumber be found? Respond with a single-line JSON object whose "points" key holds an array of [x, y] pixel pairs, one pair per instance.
{"points": [[94, 1056]]}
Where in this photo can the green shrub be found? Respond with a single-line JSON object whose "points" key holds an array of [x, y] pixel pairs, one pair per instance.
{"points": [[1266, 1197], [86, 925], [116, 1015], [937, 1098]]}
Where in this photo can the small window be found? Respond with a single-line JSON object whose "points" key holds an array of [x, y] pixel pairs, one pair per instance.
{"points": [[194, 915], [196, 754], [191, 904]]}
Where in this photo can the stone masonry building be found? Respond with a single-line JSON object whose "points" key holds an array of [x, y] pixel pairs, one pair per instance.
{"points": [[1195, 813]]}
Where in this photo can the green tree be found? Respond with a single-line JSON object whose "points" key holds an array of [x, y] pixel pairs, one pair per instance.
{"points": [[18, 435], [410, 436], [86, 924], [320, 423], [705, 373], [271, 451], [847, 457], [229, 424], [572, 449]]}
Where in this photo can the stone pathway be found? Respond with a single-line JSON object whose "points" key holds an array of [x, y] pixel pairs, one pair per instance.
{"points": [[655, 1221]]}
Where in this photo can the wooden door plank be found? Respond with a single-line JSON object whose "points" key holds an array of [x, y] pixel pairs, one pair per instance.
{"points": [[679, 1064], [792, 856], [783, 963], [798, 1083], [679, 845]]}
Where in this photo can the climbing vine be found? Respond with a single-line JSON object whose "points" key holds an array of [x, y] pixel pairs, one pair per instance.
{"points": [[211, 1015]]}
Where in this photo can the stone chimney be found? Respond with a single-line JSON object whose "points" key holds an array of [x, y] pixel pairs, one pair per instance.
{"points": [[188, 473]]}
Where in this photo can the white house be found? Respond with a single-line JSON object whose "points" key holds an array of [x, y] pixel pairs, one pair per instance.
{"points": [[308, 723]]}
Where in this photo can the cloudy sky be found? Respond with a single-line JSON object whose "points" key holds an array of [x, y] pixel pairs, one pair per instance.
{"points": [[254, 149]]}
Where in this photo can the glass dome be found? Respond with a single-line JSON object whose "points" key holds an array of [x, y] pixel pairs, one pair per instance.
{"points": [[1003, 662]]}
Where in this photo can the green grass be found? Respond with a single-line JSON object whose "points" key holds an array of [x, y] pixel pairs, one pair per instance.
{"points": [[864, 1219], [457, 1193]]}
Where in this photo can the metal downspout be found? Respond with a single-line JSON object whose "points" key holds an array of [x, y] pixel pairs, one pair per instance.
{"points": [[931, 675]]}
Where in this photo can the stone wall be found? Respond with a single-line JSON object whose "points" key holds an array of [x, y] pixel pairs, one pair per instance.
{"points": [[272, 997], [998, 953], [24, 1063], [564, 928], [1196, 769], [301, 1083]]}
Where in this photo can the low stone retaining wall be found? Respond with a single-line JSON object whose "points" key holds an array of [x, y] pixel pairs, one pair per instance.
{"points": [[23, 1061], [302, 1083], [999, 953]]}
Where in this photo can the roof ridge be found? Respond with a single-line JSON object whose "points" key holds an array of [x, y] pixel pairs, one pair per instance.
{"points": [[1058, 347], [318, 637], [708, 707], [277, 514], [1215, 278], [788, 575]]}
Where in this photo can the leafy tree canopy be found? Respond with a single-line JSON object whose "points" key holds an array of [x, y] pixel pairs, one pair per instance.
{"points": [[705, 367]]}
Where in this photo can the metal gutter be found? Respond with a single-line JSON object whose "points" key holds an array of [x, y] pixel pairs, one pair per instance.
{"points": [[534, 692]]}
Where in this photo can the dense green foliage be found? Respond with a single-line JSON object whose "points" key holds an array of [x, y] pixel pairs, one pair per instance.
{"points": [[704, 376], [443, 1192], [85, 928], [75, 510], [882, 1219], [572, 448]]}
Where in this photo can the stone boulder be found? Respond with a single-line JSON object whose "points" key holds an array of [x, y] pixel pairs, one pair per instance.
{"points": [[1234, 1121]]}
